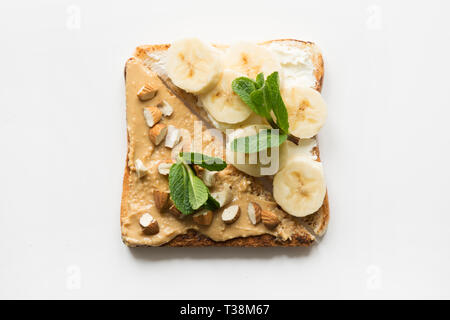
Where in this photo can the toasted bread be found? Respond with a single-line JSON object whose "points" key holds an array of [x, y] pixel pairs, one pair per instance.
{"points": [[317, 222]]}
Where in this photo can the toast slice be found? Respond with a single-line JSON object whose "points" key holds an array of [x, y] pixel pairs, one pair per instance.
{"points": [[137, 193]]}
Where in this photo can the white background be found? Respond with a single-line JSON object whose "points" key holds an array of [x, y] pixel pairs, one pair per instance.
{"points": [[385, 150]]}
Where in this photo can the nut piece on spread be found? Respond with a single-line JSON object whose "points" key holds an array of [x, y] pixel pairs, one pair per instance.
{"points": [[254, 213], [141, 170], [269, 219], [161, 199], [165, 108], [147, 92], [157, 133], [172, 137], [231, 214], [224, 196], [152, 115], [209, 177], [175, 212], [149, 224], [203, 218], [164, 167]]}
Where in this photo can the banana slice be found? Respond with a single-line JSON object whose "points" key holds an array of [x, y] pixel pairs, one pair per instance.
{"points": [[299, 188], [255, 164], [289, 150], [222, 103], [194, 65], [251, 59], [307, 111]]}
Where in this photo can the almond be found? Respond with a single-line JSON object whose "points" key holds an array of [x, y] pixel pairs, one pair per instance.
{"points": [[152, 115], [175, 212], [203, 218], [172, 137], [157, 133], [209, 177], [224, 196], [147, 92], [269, 219], [161, 199], [165, 108], [149, 224], [198, 170], [231, 214], [164, 167], [141, 169], [254, 213]]}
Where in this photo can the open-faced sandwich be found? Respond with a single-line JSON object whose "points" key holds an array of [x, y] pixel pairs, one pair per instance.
{"points": [[222, 147]]}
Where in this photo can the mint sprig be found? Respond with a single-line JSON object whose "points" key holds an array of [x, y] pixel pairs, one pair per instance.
{"points": [[204, 161], [264, 97], [266, 138], [178, 186], [273, 98], [187, 191]]}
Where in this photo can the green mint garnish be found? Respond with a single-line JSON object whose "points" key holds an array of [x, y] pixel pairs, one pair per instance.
{"points": [[187, 191], [179, 186], [266, 138], [273, 98], [263, 97], [211, 203], [204, 161], [198, 192]]}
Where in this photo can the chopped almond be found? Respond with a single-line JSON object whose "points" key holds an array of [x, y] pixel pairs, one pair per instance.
{"points": [[254, 213], [164, 167], [152, 115], [231, 214], [203, 218], [224, 196], [161, 199], [172, 137], [147, 92], [269, 219], [175, 212], [141, 169], [165, 108], [157, 133], [209, 177], [149, 224]]}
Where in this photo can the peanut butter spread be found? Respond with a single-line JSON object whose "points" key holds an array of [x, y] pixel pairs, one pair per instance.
{"points": [[140, 199]]}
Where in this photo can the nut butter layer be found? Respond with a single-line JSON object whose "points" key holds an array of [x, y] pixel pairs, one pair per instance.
{"points": [[317, 222], [139, 191]]}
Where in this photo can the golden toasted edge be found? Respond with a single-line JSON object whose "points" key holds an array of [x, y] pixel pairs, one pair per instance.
{"points": [[318, 222]]}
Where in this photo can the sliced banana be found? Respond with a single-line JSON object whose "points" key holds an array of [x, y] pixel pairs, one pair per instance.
{"points": [[251, 59], [260, 164], [299, 188], [194, 65], [289, 150], [307, 111], [222, 103]]}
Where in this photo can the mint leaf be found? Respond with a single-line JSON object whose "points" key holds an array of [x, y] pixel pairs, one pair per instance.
{"points": [[243, 87], [266, 138], [211, 203], [259, 100], [178, 186], [273, 98], [204, 161], [259, 80], [198, 192]]}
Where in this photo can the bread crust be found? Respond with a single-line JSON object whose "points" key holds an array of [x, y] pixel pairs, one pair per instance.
{"points": [[317, 222]]}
